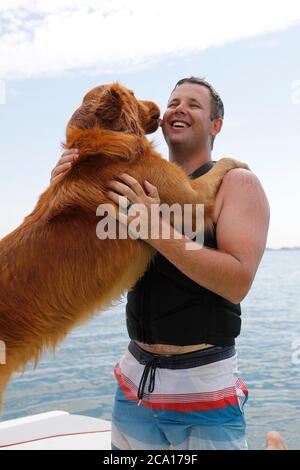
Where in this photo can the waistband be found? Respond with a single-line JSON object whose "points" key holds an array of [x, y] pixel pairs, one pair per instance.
{"points": [[178, 361], [182, 361]]}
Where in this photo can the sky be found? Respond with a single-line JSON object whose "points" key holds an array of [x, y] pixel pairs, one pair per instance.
{"points": [[53, 51]]}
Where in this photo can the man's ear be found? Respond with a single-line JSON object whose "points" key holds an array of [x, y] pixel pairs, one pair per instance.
{"points": [[110, 105], [216, 126]]}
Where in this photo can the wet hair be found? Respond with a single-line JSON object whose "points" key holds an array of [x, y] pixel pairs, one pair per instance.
{"points": [[217, 106]]}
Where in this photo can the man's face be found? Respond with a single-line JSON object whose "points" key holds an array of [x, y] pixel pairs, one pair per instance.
{"points": [[186, 121]]}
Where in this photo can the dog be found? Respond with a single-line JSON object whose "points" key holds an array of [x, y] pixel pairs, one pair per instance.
{"points": [[55, 273]]}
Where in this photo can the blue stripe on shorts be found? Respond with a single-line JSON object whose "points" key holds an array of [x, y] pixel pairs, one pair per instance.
{"points": [[140, 427]]}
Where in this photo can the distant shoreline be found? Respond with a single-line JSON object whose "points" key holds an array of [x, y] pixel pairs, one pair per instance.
{"points": [[284, 248]]}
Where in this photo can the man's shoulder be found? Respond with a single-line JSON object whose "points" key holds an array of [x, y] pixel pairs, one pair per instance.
{"points": [[239, 179], [238, 185]]}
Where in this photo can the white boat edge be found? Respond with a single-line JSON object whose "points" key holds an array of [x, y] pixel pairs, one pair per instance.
{"points": [[55, 430]]}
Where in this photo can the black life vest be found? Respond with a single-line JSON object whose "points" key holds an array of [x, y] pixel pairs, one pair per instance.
{"points": [[167, 307]]}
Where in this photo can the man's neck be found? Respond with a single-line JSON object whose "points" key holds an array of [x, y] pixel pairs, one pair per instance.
{"points": [[190, 162]]}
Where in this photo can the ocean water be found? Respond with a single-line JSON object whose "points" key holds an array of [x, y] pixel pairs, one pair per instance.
{"points": [[79, 377]]}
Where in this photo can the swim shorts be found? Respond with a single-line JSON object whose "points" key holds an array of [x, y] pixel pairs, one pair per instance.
{"points": [[190, 401]]}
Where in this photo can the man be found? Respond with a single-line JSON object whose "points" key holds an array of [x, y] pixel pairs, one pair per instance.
{"points": [[178, 383]]}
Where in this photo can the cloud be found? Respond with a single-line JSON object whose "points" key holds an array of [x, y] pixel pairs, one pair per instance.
{"points": [[46, 37], [265, 44]]}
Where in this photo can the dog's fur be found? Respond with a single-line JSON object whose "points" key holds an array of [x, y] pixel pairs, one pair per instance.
{"points": [[54, 271]]}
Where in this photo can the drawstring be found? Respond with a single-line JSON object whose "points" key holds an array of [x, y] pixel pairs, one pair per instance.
{"points": [[150, 366]]}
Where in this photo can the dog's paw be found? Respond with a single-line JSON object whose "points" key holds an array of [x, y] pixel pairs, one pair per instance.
{"points": [[231, 163]]}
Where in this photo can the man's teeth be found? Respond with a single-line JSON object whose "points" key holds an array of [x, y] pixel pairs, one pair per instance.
{"points": [[179, 124]]}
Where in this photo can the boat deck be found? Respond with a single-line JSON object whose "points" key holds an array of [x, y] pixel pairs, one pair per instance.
{"points": [[56, 430]]}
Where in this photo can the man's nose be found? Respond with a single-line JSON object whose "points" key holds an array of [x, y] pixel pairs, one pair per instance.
{"points": [[180, 109]]}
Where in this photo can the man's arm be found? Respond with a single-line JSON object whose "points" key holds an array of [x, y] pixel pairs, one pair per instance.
{"points": [[241, 232]]}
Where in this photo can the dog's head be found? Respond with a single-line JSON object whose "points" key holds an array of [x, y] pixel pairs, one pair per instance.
{"points": [[116, 108]]}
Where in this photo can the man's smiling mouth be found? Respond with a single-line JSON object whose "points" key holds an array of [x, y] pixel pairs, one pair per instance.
{"points": [[179, 124]]}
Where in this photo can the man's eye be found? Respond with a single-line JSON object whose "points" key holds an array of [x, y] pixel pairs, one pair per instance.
{"points": [[172, 105]]}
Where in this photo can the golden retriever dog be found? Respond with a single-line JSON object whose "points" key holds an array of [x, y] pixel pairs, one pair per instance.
{"points": [[55, 271]]}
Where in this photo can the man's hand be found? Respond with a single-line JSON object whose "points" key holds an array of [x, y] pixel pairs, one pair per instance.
{"points": [[63, 165], [140, 199]]}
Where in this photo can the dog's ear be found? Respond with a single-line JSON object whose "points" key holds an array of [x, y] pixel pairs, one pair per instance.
{"points": [[82, 118], [110, 105]]}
